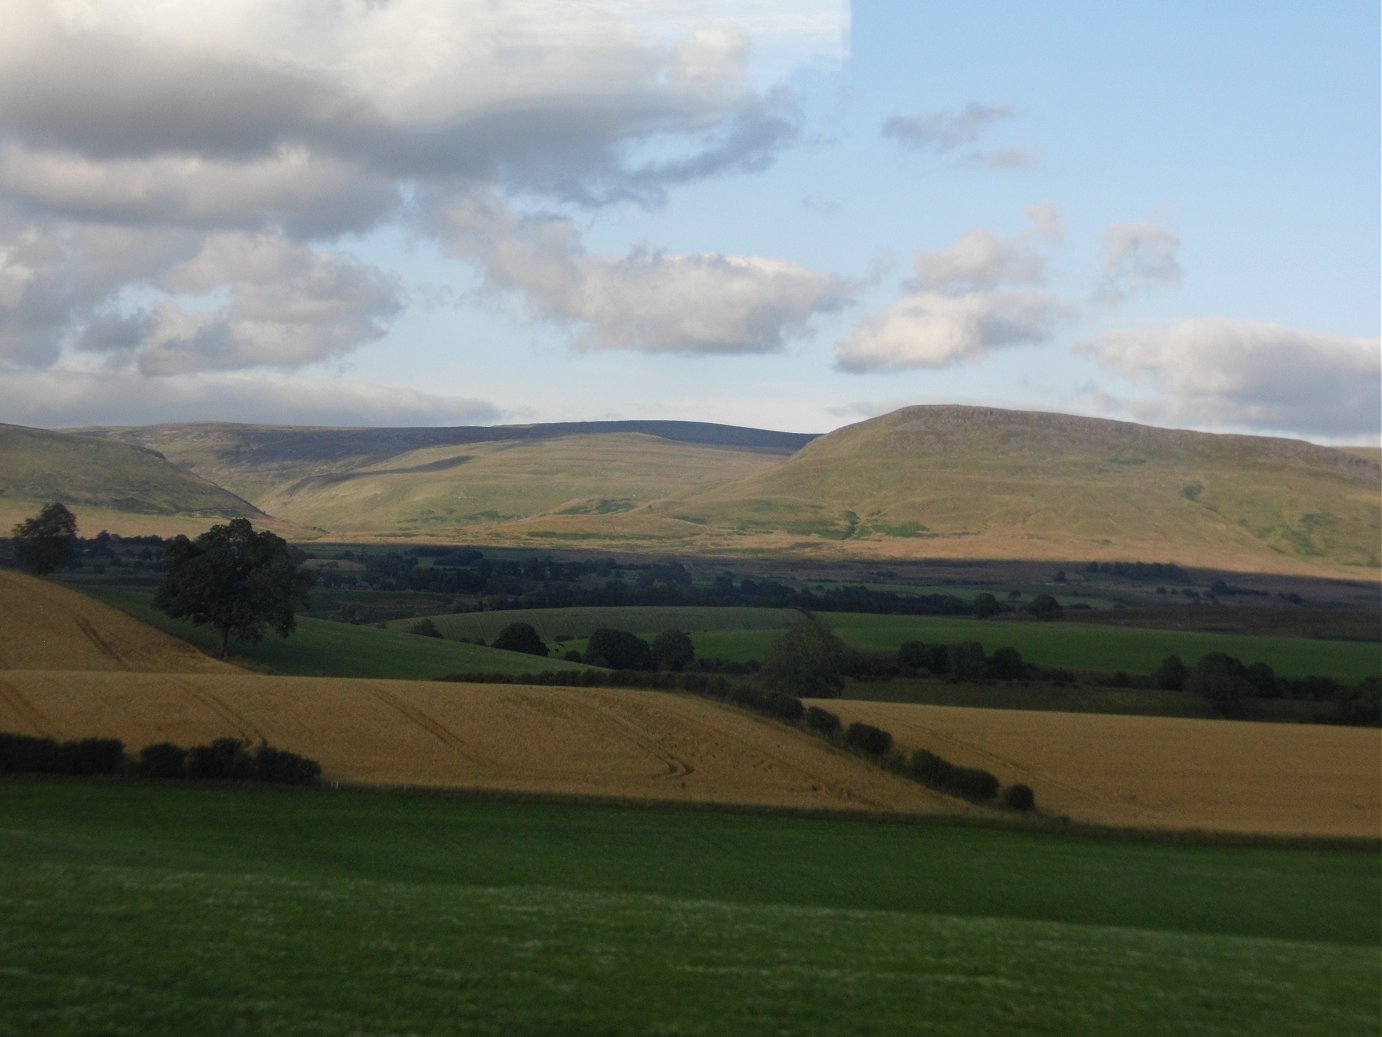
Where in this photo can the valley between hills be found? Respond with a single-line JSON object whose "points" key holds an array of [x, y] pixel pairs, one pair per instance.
{"points": [[936, 482]]}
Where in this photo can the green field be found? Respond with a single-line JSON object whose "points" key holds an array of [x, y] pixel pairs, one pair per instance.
{"points": [[321, 648], [1073, 645], [134, 909], [580, 623]]}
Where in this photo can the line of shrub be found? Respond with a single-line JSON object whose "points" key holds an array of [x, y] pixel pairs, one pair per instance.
{"points": [[225, 759]]}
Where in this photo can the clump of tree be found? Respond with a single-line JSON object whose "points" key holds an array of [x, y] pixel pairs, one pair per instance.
{"points": [[673, 650], [235, 580], [520, 637], [809, 661], [225, 759], [425, 627], [47, 541], [618, 650]]}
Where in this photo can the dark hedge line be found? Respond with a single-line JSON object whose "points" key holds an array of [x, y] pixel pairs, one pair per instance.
{"points": [[225, 759]]}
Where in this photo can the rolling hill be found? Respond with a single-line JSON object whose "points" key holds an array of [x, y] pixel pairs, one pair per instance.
{"points": [[964, 481], [100, 478], [923, 482]]}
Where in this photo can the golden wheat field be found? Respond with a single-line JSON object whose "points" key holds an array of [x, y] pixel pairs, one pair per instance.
{"points": [[1159, 772], [594, 742], [50, 627]]}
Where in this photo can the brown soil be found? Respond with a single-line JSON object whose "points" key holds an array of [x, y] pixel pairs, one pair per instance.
{"points": [[1159, 772]]}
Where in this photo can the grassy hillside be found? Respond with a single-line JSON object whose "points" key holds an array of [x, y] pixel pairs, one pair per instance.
{"points": [[37, 466], [349, 483], [923, 482], [252, 911], [961, 481]]}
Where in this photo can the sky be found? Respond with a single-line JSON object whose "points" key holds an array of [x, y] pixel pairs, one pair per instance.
{"points": [[787, 214]]}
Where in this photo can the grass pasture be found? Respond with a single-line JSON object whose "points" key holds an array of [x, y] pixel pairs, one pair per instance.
{"points": [[136, 909], [580, 623], [322, 648], [1073, 645]]}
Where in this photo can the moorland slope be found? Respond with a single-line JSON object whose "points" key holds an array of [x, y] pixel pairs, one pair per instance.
{"points": [[922, 482]]}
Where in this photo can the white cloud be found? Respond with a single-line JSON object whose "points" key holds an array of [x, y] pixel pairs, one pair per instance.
{"points": [[1219, 372], [1138, 257], [929, 329], [652, 302], [65, 397], [966, 300]]}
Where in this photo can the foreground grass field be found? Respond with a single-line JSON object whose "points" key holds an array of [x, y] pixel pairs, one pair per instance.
{"points": [[128, 909]]}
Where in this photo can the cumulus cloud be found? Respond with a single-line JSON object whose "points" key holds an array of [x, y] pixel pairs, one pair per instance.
{"points": [[1138, 257], [1227, 373], [66, 397], [652, 302], [176, 179], [967, 299]]}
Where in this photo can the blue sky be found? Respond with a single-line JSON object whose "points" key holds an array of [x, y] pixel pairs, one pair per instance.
{"points": [[787, 215]]}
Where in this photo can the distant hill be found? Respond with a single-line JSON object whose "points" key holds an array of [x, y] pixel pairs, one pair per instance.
{"points": [[103, 477], [439, 481], [923, 482], [996, 483]]}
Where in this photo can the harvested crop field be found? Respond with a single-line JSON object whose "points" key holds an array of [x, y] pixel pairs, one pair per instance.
{"points": [[595, 742], [1159, 772], [51, 627]]}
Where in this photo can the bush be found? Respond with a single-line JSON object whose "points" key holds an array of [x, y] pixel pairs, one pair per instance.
{"points": [[783, 706], [225, 759], [823, 721], [283, 767], [971, 783], [868, 739], [163, 760], [673, 650], [92, 756], [1019, 797], [26, 754]]}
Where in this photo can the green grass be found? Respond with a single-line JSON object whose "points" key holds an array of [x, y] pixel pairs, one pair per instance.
{"points": [[584, 621], [1072, 645], [321, 648], [129, 909]]}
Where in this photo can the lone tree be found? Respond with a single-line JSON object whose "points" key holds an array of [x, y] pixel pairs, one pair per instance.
{"points": [[235, 579], [672, 650], [520, 637], [47, 541], [807, 661]]}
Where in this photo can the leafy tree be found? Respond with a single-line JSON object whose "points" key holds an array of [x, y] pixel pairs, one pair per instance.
{"points": [[808, 660], [1223, 681], [1171, 674], [1006, 664], [965, 661], [986, 605], [520, 637], [1043, 606], [425, 628], [47, 541], [234, 579], [618, 649], [672, 650]]}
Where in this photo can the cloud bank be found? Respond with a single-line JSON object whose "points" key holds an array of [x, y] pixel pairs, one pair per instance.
{"points": [[1220, 372]]}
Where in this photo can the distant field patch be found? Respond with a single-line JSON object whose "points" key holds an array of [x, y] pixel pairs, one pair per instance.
{"points": [[580, 623], [1158, 772], [1072, 645]]}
